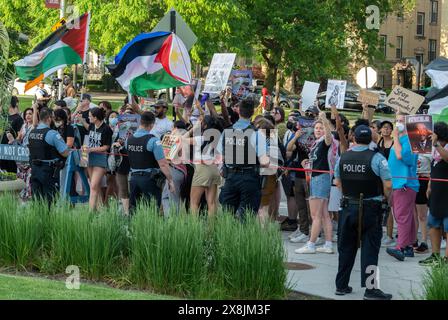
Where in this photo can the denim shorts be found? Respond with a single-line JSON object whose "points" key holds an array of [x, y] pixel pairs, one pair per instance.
{"points": [[434, 222], [320, 186], [98, 160]]}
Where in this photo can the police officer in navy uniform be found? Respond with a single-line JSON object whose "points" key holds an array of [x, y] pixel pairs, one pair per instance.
{"points": [[242, 154], [46, 148], [365, 180], [147, 162]]}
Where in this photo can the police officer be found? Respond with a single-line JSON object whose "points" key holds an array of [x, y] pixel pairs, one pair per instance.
{"points": [[365, 180], [147, 162], [46, 146], [242, 154]]}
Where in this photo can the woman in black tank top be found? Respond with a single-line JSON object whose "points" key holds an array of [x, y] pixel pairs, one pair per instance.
{"points": [[386, 142]]}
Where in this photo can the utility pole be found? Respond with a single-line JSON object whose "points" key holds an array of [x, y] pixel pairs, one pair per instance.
{"points": [[61, 71]]}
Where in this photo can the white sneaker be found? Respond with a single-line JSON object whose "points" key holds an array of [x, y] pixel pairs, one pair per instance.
{"points": [[443, 244], [306, 249], [320, 241], [325, 249], [388, 242], [335, 238], [301, 238], [295, 234]]}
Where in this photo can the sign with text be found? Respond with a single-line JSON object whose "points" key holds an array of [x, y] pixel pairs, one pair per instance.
{"points": [[14, 153], [368, 97], [335, 93], [170, 145], [419, 129], [309, 93], [219, 72], [127, 125], [52, 4], [241, 82], [404, 100]]}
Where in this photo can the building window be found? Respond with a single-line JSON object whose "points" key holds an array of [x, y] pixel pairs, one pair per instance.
{"points": [[420, 23], [434, 11], [432, 50], [400, 16], [381, 81], [384, 44], [419, 58], [399, 49]]}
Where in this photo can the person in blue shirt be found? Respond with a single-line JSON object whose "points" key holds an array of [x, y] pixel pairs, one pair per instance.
{"points": [[405, 185], [363, 176], [46, 148], [242, 152], [147, 162]]}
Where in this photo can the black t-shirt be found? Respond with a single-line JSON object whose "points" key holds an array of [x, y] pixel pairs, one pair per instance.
{"points": [[82, 130], [300, 154], [66, 131], [319, 158], [99, 137], [15, 122]]}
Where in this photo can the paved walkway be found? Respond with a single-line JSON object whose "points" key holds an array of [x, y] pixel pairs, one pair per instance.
{"points": [[402, 279]]}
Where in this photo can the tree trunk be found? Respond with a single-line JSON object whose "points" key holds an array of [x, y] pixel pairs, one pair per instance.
{"points": [[277, 88], [271, 76]]}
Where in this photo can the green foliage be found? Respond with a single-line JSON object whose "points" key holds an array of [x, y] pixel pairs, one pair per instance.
{"points": [[435, 282]]}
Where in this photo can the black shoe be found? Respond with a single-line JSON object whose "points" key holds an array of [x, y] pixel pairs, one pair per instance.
{"points": [[289, 225], [422, 248], [376, 294], [396, 253], [415, 245], [343, 292], [408, 252]]}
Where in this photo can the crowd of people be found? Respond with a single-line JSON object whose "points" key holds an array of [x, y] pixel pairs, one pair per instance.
{"points": [[244, 154]]}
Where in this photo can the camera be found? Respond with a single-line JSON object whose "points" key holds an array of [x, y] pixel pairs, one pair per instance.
{"points": [[56, 81]]}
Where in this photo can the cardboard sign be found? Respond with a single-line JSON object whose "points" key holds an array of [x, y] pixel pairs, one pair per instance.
{"points": [[419, 129], [14, 153], [335, 93], [127, 125], [307, 138], [309, 93], [170, 145], [241, 82], [52, 4], [219, 72], [405, 101], [368, 97]]}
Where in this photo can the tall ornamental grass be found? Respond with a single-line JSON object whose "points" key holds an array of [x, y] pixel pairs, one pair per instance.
{"points": [[21, 231], [95, 242], [435, 282], [167, 254], [248, 258]]}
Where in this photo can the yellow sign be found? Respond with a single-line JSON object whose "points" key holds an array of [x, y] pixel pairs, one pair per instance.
{"points": [[59, 24]]}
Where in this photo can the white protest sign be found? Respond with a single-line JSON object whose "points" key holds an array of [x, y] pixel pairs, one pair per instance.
{"points": [[367, 97], [198, 90], [335, 93], [309, 93], [404, 100], [219, 72]]}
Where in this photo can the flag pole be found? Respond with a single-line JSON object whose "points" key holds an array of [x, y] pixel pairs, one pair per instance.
{"points": [[173, 30], [84, 58], [61, 71]]}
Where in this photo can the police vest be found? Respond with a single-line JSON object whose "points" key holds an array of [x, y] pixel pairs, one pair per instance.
{"points": [[139, 156], [39, 148], [357, 175], [237, 149]]}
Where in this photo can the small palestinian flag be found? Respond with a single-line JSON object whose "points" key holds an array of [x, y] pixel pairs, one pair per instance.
{"points": [[437, 97], [152, 61], [67, 45]]}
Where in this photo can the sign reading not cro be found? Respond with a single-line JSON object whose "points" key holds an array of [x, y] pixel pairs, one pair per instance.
{"points": [[14, 153]]}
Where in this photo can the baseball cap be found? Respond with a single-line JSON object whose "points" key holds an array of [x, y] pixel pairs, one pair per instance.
{"points": [[363, 134], [161, 103], [87, 96], [312, 109]]}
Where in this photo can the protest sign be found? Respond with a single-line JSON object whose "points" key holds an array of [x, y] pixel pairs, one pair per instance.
{"points": [[241, 82], [14, 153], [52, 4], [403, 100], [219, 72], [335, 93], [368, 97], [127, 125], [170, 145], [309, 93], [419, 129], [198, 90], [307, 138]]}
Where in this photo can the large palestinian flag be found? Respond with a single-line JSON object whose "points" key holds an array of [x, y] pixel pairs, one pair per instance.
{"points": [[152, 61], [67, 45], [437, 97]]}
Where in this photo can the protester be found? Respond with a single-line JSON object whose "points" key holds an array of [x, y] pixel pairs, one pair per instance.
{"points": [[59, 104], [99, 142], [42, 97], [438, 193], [69, 89], [15, 123], [421, 201], [162, 124], [106, 106], [82, 112], [320, 187], [403, 164]]}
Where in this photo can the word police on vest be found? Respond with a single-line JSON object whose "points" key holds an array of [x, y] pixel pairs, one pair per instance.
{"points": [[355, 168], [36, 136], [135, 148]]}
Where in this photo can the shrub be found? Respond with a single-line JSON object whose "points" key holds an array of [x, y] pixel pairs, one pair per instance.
{"points": [[435, 282]]}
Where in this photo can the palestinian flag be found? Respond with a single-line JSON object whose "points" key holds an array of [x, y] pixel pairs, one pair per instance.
{"points": [[152, 61], [437, 97], [67, 45]]}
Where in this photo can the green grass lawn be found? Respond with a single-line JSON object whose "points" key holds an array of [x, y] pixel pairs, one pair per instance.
{"points": [[30, 288], [27, 101]]}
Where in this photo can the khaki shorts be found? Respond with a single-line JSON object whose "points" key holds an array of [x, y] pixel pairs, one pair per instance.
{"points": [[268, 192], [205, 176]]}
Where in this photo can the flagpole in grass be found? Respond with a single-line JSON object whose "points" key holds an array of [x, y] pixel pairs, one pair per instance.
{"points": [[61, 71], [173, 30]]}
